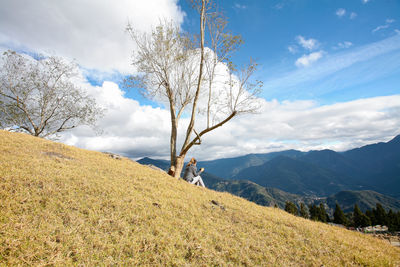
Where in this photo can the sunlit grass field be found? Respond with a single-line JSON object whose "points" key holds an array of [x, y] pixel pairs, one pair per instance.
{"points": [[61, 205]]}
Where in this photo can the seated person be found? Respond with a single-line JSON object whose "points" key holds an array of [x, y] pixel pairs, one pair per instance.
{"points": [[192, 175]]}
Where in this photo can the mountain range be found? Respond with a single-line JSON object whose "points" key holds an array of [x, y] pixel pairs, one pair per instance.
{"points": [[318, 173], [364, 175]]}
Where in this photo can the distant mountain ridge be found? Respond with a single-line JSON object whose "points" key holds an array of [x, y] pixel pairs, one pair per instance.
{"points": [[309, 177], [227, 168], [160, 163], [295, 176], [373, 167], [379, 166]]}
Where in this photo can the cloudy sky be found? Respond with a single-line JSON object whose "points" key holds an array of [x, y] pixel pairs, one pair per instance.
{"points": [[331, 70]]}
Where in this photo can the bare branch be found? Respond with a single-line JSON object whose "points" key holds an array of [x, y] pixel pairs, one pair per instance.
{"points": [[197, 138]]}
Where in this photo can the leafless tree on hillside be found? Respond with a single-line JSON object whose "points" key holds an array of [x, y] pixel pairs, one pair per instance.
{"points": [[38, 97], [179, 69]]}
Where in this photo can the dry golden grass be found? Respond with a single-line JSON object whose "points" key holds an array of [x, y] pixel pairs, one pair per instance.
{"points": [[62, 205]]}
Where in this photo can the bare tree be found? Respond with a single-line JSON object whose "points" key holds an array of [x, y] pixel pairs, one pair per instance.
{"points": [[179, 69], [38, 97]]}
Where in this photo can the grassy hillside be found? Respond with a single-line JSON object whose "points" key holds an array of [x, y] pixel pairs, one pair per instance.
{"points": [[61, 205]]}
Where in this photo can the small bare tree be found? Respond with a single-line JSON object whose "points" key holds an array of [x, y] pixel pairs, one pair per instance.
{"points": [[38, 97], [180, 70]]}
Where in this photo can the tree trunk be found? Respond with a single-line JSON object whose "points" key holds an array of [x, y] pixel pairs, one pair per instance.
{"points": [[196, 97], [174, 131], [180, 161]]}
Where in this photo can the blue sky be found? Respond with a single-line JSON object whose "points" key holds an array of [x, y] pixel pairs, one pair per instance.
{"points": [[359, 44], [350, 31], [331, 70]]}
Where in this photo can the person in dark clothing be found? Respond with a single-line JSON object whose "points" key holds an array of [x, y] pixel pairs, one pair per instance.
{"points": [[192, 175]]}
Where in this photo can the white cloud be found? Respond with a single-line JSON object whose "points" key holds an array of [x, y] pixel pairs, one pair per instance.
{"points": [[92, 32], [292, 49], [365, 1], [309, 44], [137, 131], [128, 128], [309, 122], [239, 6], [343, 45], [307, 60], [381, 27], [340, 12], [304, 125], [385, 26]]}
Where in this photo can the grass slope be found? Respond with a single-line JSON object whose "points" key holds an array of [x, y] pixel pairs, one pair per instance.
{"points": [[62, 205]]}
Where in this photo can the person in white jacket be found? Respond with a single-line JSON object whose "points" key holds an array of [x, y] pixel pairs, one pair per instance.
{"points": [[192, 175]]}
